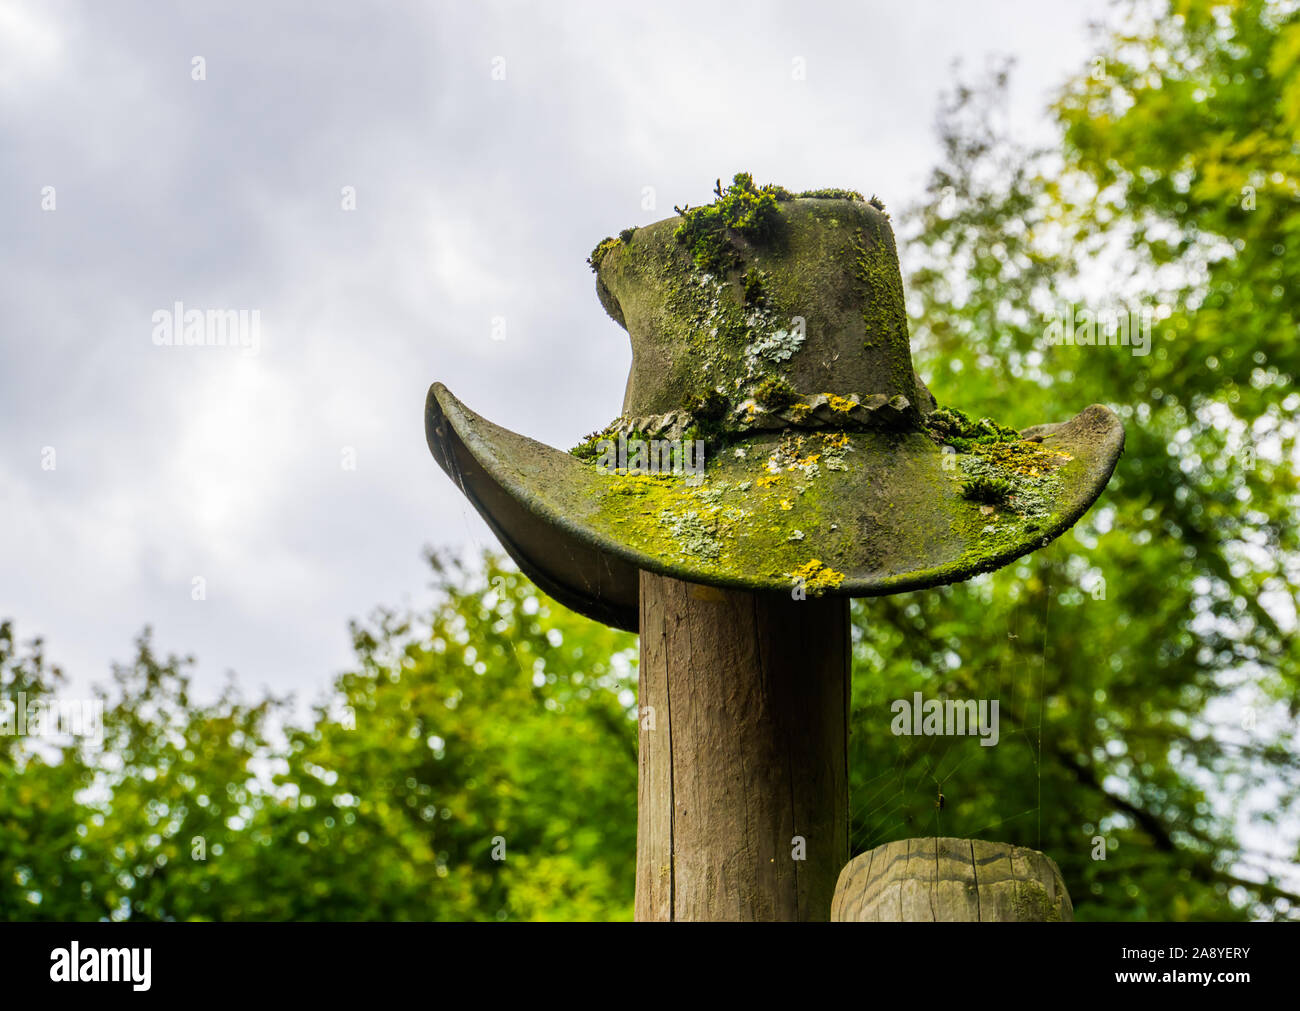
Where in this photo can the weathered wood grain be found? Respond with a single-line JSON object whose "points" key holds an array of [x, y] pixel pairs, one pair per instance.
{"points": [[748, 751], [951, 879]]}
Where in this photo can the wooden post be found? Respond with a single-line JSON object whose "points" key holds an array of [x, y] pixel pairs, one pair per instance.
{"points": [[743, 787], [952, 879]]}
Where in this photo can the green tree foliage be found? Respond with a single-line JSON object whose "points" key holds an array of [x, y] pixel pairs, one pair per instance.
{"points": [[1145, 663], [478, 763], [1153, 645]]}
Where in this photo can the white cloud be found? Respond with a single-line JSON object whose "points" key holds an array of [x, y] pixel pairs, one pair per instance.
{"points": [[31, 45]]}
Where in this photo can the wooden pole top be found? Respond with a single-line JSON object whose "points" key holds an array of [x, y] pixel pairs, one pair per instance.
{"points": [[946, 879]]}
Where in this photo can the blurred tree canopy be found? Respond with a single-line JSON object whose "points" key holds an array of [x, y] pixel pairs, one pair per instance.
{"points": [[479, 761], [478, 765]]}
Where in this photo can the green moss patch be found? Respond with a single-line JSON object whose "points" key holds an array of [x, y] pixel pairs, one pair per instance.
{"points": [[602, 249], [774, 392], [951, 427], [741, 209], [877, 269], [987, 490], [831, 194], [755, 290]]}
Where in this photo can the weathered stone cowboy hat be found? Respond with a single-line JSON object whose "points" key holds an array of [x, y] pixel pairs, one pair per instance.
{"points": [[770, 328]]}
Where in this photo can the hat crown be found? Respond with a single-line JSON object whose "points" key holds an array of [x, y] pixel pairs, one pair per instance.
{"points": [[769, 304]]}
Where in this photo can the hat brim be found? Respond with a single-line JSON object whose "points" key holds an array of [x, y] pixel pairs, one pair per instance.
{"points": [[861, 514]]}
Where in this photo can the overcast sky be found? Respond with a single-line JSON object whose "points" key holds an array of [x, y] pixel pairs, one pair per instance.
{"points": [[489, 147]]}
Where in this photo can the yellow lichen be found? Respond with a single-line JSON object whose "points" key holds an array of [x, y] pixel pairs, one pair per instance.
{"points": [[1022, 457], [816, 577]]}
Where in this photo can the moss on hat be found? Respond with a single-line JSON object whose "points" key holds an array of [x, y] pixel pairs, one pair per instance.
{"points": [[774, 435]]}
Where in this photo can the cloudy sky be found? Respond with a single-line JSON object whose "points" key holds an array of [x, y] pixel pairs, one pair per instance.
{"points": [[150, 156]]}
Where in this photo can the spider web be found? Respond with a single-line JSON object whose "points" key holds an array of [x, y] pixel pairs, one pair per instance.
{"points": [[883, 806]]}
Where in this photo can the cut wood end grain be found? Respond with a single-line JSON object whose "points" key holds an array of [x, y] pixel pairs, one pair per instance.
{"points": [[945, 879]]}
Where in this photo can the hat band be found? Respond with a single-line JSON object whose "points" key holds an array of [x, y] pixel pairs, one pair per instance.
{"points": [[818, 411]]}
